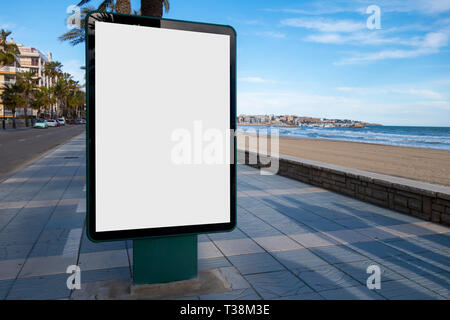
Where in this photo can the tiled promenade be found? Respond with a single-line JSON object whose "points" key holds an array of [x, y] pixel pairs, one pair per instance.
{"points": [[293, 241]]}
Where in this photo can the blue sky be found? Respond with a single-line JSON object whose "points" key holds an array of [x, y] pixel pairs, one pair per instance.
{"points": [[313, 58]]}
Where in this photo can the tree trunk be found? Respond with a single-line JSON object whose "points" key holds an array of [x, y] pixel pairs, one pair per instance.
{"points": [[123, 6], [25, 111], [14, 118], [152, 8]]}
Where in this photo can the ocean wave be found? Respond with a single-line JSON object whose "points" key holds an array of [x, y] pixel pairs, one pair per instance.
{"points": [[422, 137]]}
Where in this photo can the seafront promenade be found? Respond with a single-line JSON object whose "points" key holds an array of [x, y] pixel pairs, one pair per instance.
{"points": [[292, 241]]}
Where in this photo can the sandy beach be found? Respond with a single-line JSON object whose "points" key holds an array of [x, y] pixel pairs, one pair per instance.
{"points": [[427, 165]]}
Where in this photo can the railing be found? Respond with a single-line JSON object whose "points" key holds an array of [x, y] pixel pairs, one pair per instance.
{"points": [[7, 82], [8, 69]]}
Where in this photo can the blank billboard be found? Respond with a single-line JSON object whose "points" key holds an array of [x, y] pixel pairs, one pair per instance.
{"points": [[156, 89]]}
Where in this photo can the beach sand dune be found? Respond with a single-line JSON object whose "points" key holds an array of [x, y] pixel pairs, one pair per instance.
{"points": [[426, 165]]}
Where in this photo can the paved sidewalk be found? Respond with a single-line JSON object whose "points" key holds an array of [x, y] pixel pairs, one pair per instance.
{"points": [[293, 241]]}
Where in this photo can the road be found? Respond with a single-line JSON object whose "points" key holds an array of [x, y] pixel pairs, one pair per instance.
{"points": [[21, 146]]}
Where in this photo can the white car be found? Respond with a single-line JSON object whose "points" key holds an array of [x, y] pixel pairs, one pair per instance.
{"points": [[52, 123], [62, 121]]}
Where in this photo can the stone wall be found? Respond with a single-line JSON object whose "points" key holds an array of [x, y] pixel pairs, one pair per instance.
{"points": [[422, 200], [19, 123]]}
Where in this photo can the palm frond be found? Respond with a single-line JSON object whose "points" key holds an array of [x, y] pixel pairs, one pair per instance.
{"points": [[166, 6], [74, 37], [105, 5]]}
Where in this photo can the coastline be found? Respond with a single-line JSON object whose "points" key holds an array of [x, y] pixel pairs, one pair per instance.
{"points": [[426, 165]]}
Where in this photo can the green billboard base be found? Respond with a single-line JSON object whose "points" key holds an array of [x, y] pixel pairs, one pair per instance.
{"points": [[164, 259]]}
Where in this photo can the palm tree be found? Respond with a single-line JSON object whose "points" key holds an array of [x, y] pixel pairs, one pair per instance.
{"points": [[42, 98], [9, 52], [152, 8], [123, 6], [62, 90], [13, 98], [76, 100], [53, 70], [28, 81]]}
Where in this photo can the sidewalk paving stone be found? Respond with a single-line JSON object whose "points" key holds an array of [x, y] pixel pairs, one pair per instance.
{"points": [[105, 274], [212, 263], [304, 296], [234, 278], [352, 293], [299, 260], [240, 294], [406, 290], [313, 240], [410, 267], [358, 271], [347, 236], [439, 283], [256, 263], [20, 251], [40, 288], [238, 246], [375, 249], [5, 285], [103, 260], [47, 265], [9, 269], [207, 250], [277, 243], [271, 285], [338, 254], [326, 278]]}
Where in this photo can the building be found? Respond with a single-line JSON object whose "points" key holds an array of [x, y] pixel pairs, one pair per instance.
{"points": [[31, 59]]}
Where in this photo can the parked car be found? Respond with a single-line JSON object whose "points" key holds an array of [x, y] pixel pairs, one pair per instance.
{"points": [[81, 121], [62, 121], [52, 123], [72, 122], [41, 124]]}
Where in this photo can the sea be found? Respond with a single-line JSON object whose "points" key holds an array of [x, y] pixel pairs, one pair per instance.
{"points": [[419, 137]]}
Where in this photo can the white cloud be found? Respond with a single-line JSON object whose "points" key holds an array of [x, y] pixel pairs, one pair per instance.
{"points": [[435, 40], [253, 22], [429, 94], [423, 93], [422, 6], [324, 7], [254, 80], [361, 91], [325, 25], [73, 67], [430, 44], [295, 103], [358, 38], [272, 34]]}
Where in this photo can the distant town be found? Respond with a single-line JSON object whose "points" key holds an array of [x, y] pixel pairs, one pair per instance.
{"points": [[299, 121]]}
